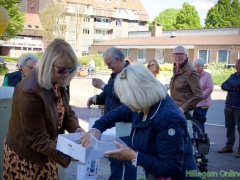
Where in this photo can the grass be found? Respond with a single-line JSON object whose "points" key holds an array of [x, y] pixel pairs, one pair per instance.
{"points": [[3, 70]]}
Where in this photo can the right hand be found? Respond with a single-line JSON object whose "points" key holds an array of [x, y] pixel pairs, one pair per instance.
{"points": [[91, 100], [85, 139]]}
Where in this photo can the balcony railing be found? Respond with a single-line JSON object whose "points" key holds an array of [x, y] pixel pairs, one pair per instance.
{"points": [[22, 43], [31, 32], [103, 25], [102, 36]]}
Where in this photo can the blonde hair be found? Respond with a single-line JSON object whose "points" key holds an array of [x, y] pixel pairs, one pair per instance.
{"points": [[136, 86], [156, 65], [131, 60], [56, 50]]}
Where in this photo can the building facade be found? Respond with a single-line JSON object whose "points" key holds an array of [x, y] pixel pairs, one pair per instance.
{"points": [[212, 45], [101, 20]]}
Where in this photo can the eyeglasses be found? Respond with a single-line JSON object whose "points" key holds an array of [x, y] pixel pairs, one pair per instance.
{"points": [[64, 70], [123, 74], [109, 64], [178, 54], [30, 67], [151, 65]]}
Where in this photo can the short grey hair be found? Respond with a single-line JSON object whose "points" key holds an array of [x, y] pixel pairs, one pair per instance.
{"points": [[23, 60], [57, 49], [199, 61], [238, 60], [140, 88], [181, 47], [114, 52]]}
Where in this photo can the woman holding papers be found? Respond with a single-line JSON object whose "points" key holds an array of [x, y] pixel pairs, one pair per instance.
{"points": [[41, 111], [159, 130]]}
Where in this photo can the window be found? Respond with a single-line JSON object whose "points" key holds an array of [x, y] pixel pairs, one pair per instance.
{"points": [[86, 19], [238, 54], [98, 6], [205, 55], [118, 22], [36, 26], [108, 7], [141, 11], [29, 25], [84, 53], [71, 41], [100, 52], [224, 56], [141, 54], [86, 31], [159, 55], [125, 52], [72, 30], [141, 23]]}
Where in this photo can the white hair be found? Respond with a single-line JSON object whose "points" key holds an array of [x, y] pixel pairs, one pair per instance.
{"points": [[136, 86], [199, 61], [23, 60]]}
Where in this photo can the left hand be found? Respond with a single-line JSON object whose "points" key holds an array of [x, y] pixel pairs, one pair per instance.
{"points": [[124, 153], [97, 83], [81, 130]]}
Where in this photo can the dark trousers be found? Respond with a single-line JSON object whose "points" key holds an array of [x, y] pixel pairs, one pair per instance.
{"points": [[232, 118], [203, 112], [116, 166]]}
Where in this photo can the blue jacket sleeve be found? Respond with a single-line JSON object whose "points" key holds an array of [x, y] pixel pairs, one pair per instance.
{"points": [[107, 121], [226, 86], [170, 150]]}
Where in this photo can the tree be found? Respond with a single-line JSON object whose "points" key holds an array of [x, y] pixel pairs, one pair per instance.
{"points": [[16, 19], [225, 13], [187, 18], [167, 18], [57, 20]]}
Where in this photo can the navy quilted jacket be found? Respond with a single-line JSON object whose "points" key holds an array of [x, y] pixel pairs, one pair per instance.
{"points": [[232, 85], [162, 140]]}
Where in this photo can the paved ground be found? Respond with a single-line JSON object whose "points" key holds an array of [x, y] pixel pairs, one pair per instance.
{"points": [[220, 165]]}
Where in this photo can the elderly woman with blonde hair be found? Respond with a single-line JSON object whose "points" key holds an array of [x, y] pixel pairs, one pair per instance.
{"points": [[40, 111], [159, 131]]}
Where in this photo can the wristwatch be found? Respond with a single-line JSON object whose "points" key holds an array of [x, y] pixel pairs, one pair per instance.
{"points": [[134, 162], [102, 86]]}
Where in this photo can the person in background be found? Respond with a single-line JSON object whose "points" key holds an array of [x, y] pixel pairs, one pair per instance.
{"points": [[25, 66], [114, 59], [232, 110], [131, 60], [154, 67], [206, 83], [91, 67], [159, 131], [40, 111], [185, 88]]}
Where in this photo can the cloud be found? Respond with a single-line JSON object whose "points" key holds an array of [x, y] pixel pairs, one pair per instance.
{"points": [[204, 4]]}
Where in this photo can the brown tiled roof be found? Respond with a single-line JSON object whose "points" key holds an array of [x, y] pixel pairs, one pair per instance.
{"points": [[33, 20], [128, 4], [178, 40]]}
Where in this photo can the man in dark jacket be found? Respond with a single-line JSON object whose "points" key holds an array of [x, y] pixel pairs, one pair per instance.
{"points": [[232, 110], [114, 60]]}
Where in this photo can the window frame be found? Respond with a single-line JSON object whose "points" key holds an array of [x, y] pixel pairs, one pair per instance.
{"points": [[206, 61], [228, 60]]}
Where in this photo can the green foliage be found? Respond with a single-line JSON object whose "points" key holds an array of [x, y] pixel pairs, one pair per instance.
{"points": [[3, 70], [167, 18], [16, 18], [9, 59], [187, 18], [150, 25], [166, 67], [225, 13], [99, 63], [38, 54]]}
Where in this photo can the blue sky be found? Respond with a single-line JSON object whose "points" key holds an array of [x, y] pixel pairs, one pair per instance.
{"points": [[154, 7]]}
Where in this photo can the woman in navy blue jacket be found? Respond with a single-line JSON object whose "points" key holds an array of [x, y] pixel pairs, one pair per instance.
{"points": [[159, 130]]}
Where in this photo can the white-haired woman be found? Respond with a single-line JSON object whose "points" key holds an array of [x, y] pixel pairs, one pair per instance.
{"points": [[25, 66], [41, 111], [206, 83], [159, 131]]}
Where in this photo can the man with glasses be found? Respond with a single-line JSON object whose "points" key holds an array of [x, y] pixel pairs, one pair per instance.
{"points": [[185, 86], [25, 66], [114, 60]]}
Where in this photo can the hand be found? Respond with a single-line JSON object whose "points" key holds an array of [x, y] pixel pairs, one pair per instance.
{"points": [[81, 130], [85, 139], [181, 110], [97, 83], [124, 153], [91, 100]]}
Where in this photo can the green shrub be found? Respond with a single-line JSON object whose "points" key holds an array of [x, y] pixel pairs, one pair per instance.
{"points": [[9, 59], [38, 54], [3, 70], [166, 67], [99, 63]]}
